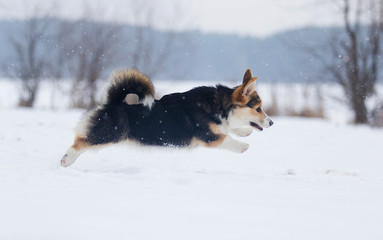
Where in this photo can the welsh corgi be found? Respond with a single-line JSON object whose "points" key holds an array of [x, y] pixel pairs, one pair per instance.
{"points": [[203, 116]]}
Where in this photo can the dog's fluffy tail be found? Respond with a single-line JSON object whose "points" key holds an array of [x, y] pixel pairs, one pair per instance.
{"points": [[124, 82]]}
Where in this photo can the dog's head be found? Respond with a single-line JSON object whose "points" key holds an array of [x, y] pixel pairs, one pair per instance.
{"points": [[247, 110]]}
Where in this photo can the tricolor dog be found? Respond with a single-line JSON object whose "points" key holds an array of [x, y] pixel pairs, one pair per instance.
{"points": [[202, 116]]}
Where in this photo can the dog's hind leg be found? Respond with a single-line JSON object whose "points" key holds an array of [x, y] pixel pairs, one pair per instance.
{"points": [[79, 146]]}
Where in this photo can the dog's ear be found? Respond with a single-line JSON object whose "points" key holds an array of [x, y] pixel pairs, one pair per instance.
{"points": [[247, 77], [242, 93], [248, 84]]}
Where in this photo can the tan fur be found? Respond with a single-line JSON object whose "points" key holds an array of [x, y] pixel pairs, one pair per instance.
{"points": [[218, 142], [260, 115], [214, 128], [125, 74], [247, 76], [238, 97], [245, 112], [242, 94], [80, 143]]}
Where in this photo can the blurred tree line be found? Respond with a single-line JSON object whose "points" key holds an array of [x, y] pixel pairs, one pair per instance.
{"points": [[82, 50]]}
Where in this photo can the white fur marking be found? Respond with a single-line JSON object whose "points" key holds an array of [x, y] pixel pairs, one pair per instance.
{"points": [[233, 145], [239, 117], [242, 132], [266, 121], [148, 101]]}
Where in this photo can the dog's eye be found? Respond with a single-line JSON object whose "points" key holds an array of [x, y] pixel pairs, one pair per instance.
{"points": [[258, 109]]}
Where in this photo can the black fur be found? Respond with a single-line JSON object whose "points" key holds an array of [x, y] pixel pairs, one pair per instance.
{"points": [[254, 100], [173, 120], [124, 84], [201, 116]]}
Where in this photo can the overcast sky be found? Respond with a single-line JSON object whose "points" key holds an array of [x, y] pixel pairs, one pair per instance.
{"points": [[246, 17]]}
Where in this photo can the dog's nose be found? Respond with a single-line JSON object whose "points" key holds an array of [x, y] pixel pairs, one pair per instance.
{"points": [[271, 123]]}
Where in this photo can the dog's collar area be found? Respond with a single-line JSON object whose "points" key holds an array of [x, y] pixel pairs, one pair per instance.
{"points": [[253, 124]]}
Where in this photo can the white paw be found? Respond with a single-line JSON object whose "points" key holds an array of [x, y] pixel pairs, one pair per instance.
{"points": [[234, 145], [70, 157], [244, 147], [64, 161]]}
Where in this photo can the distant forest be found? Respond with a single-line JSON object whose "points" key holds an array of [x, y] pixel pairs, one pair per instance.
{"points": [[189, 55]]}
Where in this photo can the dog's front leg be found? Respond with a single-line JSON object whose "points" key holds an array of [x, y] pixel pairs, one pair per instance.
{"points": [[222, 141], [216, 139], [233, 145]]}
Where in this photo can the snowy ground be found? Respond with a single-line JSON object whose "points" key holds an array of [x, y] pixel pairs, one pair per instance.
{"points": [[301, 179]]}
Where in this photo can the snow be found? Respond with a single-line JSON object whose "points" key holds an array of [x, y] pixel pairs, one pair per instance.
{"points": [[300, 179]]}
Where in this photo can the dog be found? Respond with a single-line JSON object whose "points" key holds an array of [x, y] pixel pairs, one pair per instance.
{"points": [[202, 116]]}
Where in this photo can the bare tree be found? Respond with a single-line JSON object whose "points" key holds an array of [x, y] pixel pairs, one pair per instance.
{"points": [[57, 60], [92, 47], [86, 48], [355, 54], [90, 52], [30, 64], [150, 52]]}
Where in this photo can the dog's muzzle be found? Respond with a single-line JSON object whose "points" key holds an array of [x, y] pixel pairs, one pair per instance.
{"points": [[254, 125], [265, 124]]}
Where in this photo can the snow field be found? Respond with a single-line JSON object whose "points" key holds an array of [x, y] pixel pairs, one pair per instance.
{"points": [[300, 179]]}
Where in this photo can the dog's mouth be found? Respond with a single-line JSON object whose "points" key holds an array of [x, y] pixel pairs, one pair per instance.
{"points": [[253, 124]]}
